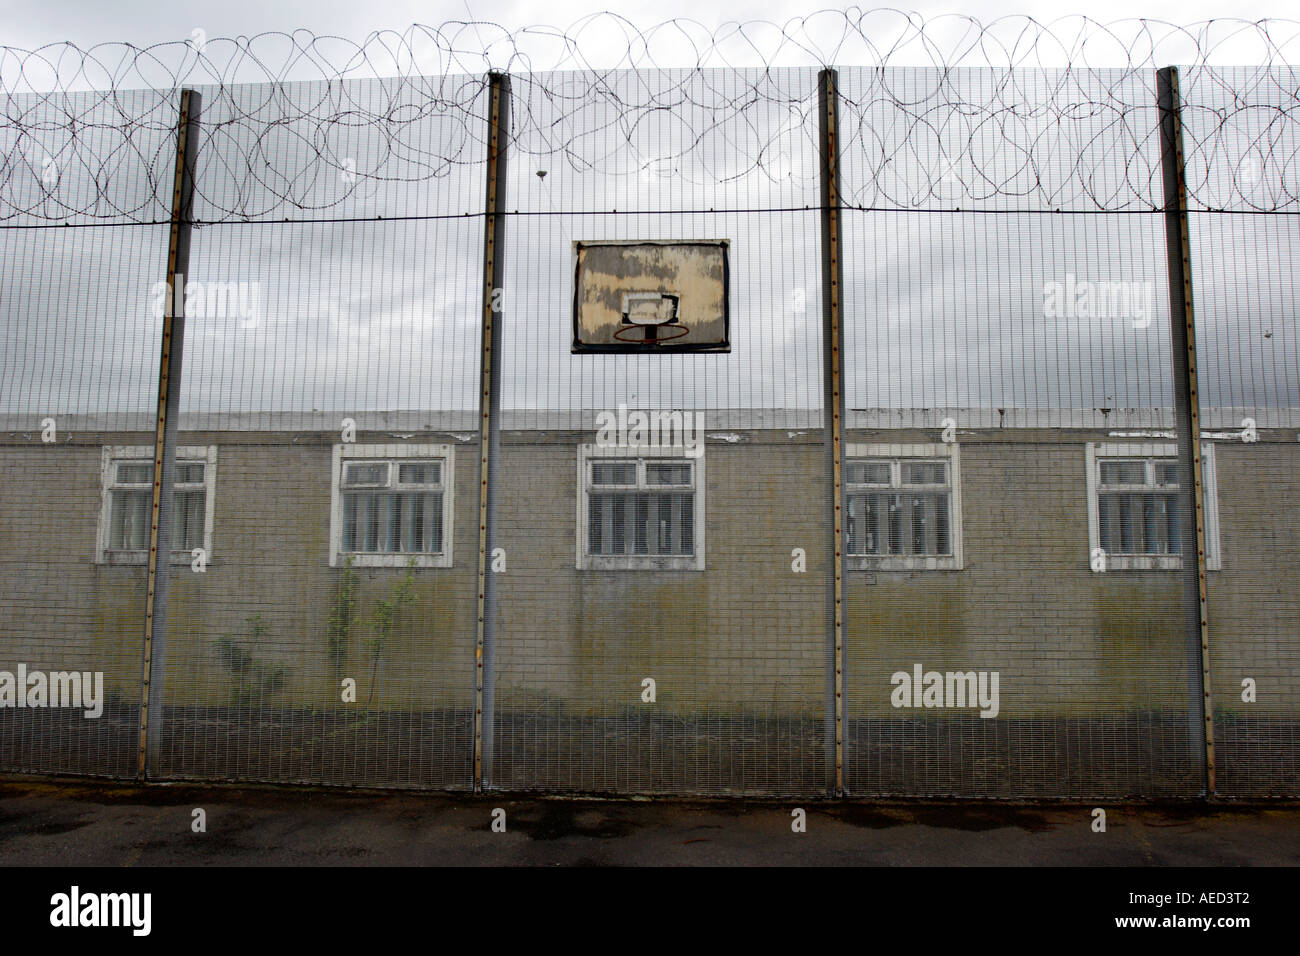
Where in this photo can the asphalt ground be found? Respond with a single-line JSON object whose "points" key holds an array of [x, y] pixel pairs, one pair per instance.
{"points": [[63, 823]]}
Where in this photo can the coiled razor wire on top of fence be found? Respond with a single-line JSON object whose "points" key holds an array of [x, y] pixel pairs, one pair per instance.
{"points": [[1017, 114]]}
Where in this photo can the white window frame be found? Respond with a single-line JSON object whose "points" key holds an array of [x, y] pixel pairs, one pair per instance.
{"points": [[640, 454], [113, 455], [948, 451], [395, 454], [1099, 451]]}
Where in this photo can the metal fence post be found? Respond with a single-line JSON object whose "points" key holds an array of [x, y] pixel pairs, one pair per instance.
{"points": [[490, 421], [832, 346], [169, 393], [1187, 414]]}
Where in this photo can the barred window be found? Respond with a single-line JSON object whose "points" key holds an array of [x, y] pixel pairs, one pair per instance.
{"points": [[1135, 508], [902, 507], [1138, 506], [639, 512], [128, 503], [392, 503], [392, 508], [898, 507]]}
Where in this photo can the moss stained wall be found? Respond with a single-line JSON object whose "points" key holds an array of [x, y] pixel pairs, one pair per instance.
{"points": [[747, 635]]}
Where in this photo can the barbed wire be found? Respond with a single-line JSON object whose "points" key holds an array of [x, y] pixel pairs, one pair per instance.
{"points": [[939, 114]]}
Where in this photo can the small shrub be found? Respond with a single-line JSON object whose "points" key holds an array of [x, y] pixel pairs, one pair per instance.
{"points": [[254, 679]]}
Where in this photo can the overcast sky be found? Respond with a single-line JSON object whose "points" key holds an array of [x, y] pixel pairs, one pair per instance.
{"points": [[31, 23], [943, 309]]}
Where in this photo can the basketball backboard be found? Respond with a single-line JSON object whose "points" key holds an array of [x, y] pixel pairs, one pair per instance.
{"points": [[651, 296]]}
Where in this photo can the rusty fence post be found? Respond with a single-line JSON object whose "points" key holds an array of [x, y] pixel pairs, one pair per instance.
{"points": [[1187, 414], [169, 393], [490, 422], [832, 350]]}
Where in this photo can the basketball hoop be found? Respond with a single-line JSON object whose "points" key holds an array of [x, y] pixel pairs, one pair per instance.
{"points": [[650, 318], [651, 334]]}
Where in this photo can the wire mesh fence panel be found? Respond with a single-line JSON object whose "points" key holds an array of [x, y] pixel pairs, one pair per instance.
{"points": [[320, 620], [1240, 137], [1013, 618], [78, 351], [594, 549], [662, 618]]}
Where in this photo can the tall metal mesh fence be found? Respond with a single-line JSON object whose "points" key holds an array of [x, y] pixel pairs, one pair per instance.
{"points": [[693, 663], [78, 369], [967, 307], [1243, 275], [329, 635], [652, 546]]}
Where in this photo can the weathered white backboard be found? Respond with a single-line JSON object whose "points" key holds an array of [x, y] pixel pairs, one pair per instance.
{"points": [[651, 296]]}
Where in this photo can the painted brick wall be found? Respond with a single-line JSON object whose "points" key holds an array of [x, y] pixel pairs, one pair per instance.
{"points": [[747, 634]]}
